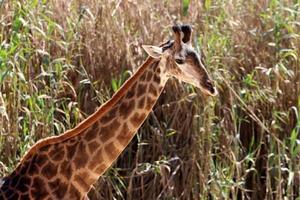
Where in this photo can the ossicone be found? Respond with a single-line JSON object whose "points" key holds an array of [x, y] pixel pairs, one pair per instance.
{"points": [[187, 32], [182, 33]]}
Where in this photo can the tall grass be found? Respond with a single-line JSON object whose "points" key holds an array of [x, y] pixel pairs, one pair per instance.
{"points": [[59, 60]]}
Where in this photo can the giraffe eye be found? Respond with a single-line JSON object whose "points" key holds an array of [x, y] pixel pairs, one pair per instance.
{"points": [[179, 61]]}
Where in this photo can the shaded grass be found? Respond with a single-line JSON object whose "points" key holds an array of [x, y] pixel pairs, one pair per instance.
{"points": [[59, 60]]}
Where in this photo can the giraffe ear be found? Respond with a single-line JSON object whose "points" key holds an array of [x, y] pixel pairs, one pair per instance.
{"points": [[153, 51]]}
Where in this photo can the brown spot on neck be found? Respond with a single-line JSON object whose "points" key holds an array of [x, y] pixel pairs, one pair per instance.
{"points": [[81, 158], [73, 192], [59, 188], [57, 153], [150, 103], [49, 170], [71, 150], [65, 169], [82, 179], [101, 168], [41, 159], [143, 77], [93, 146], [141, 89], [38, 190], [111, 150], [109, 131], [149, 76], [109, 115], [141, 103], [92, 133], [33, 169], [157, 78], [97, 159], [126, 108], [153, 90], [137, 119], [130, 94], [125, 135]]}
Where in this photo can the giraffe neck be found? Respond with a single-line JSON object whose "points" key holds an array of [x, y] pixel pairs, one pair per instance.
{"points": [[67, 169], [112, 133]]}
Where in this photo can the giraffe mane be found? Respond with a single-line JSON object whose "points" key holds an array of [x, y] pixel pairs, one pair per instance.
{"points": [[89, 120]]}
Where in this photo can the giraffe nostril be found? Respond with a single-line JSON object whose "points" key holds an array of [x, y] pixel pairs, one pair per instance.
{"points": [[210, 87], [212, 90]]}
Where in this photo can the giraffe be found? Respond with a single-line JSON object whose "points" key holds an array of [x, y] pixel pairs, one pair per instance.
{"points": [[66, 166]]}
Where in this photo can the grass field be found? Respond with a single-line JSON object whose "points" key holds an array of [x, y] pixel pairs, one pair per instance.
{"points": [[60, 60]]}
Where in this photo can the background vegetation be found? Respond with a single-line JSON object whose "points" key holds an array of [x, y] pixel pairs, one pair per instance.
{"points": [[61, 59]]}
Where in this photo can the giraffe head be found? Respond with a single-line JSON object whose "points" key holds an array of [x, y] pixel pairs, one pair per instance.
{"points": [[183, 61]]}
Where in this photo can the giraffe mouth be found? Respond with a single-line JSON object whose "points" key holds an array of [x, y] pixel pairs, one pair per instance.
{"points": [[212, 92]]}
